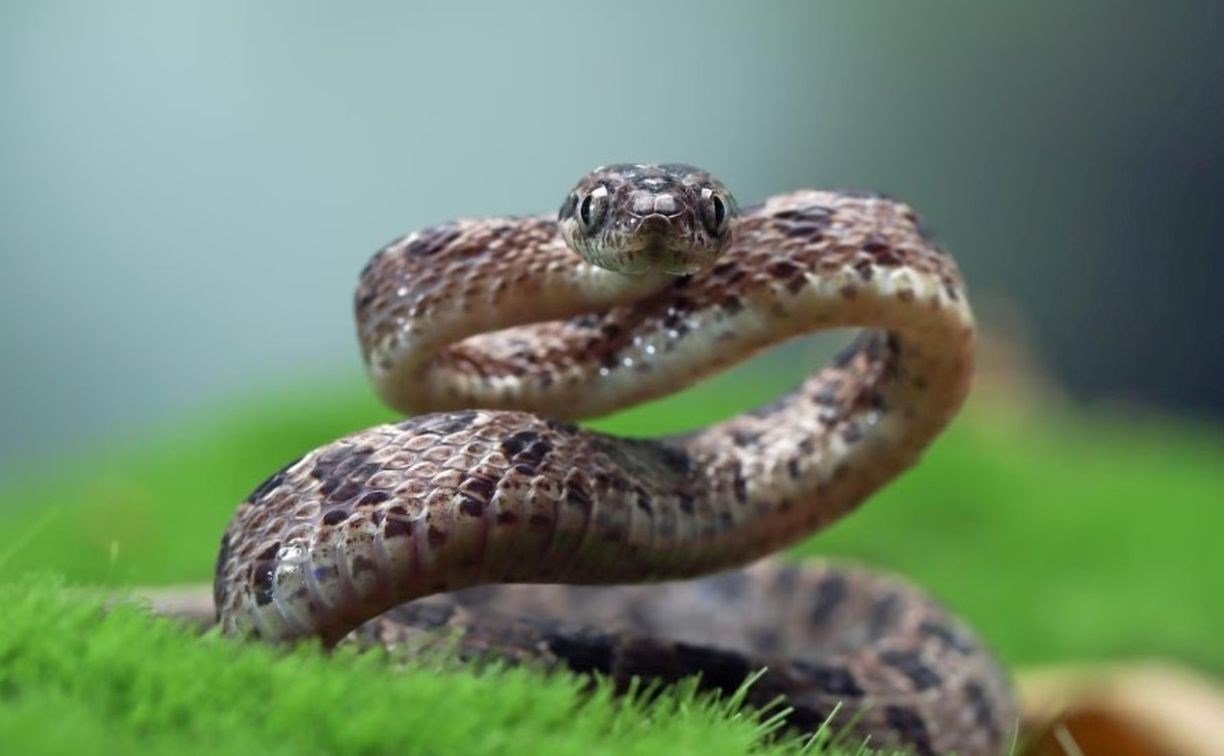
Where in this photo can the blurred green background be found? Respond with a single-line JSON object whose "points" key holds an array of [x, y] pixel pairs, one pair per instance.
{"points": [[187, 191]]}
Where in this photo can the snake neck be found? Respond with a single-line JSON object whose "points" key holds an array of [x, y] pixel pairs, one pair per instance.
{"points": [[427, 306]]}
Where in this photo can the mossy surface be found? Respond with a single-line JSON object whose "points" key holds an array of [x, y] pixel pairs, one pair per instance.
{"points": [[1059, 536]]}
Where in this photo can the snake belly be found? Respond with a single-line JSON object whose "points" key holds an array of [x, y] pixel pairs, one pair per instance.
{"points": [[501, 335]]}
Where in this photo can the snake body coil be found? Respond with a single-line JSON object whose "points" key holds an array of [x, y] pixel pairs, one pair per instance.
{"points": [[502, 333]]}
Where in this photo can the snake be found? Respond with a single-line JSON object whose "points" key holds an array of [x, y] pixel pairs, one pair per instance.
{"points": [[491, 516]]}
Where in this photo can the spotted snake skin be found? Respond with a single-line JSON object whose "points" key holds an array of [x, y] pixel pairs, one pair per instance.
{"points": [[502, 335]]}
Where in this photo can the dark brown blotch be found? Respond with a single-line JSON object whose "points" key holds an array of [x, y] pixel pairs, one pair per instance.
{"points": [[830, 592], [644, 502], [339, 461], [271, 483], [887, 258], [270, 552], [347, 489], [559, 426], [740, 485], [686, 502], [372, 498], [796, 283], [335, 516], [983, 712], [396, 528], [743, 437], [377, 257], [433, 240], [363, 564], [911, 729], [829, 678], [427, 615], [262, 580], [674, 459], [479, 487], [911, 665], [782, 269], [851, 433], [218, 574], [470, 506], [807, 232], [883, 616], [727, 586], [719, 668], [583, 650], [949, 637], [814, 214], [577, 496], [525, 447], [454, 422], [786, 579]]}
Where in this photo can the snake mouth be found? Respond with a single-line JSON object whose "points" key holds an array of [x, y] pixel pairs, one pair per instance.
{"points": [[678, 264], [662, 245], [658, 255]]}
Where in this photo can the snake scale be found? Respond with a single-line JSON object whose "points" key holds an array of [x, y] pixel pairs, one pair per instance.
{"points": [[504, 330]]}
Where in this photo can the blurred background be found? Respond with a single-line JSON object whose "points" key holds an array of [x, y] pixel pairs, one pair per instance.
{"points": [[188, 190]]}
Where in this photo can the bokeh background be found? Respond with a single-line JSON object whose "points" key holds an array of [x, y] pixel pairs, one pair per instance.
{"points": [[188, 189]]}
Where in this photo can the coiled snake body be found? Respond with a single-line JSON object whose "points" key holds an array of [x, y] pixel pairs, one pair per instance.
{"points": [[503, 334]]}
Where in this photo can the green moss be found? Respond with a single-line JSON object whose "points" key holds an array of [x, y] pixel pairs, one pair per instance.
{"points": [[75, 678], [1058, 536]]}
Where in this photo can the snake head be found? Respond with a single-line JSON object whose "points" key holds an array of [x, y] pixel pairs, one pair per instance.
{"points": [[640, 218]]}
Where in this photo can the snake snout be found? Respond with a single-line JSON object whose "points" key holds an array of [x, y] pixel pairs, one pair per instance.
{"points": [[646, 204], [656, 225]]}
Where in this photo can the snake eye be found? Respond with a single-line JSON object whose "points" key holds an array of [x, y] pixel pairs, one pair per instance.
{"points": [[714, 211], [593, 208]]}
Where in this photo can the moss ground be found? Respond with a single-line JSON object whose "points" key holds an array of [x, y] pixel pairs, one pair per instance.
{"points": [[1058, 535]]}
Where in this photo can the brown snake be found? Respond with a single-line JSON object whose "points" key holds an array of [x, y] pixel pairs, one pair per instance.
{"points": [[671, 283]]}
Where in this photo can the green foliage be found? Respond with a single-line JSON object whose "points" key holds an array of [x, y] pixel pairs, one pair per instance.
{"points": [[1057, 536]]}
